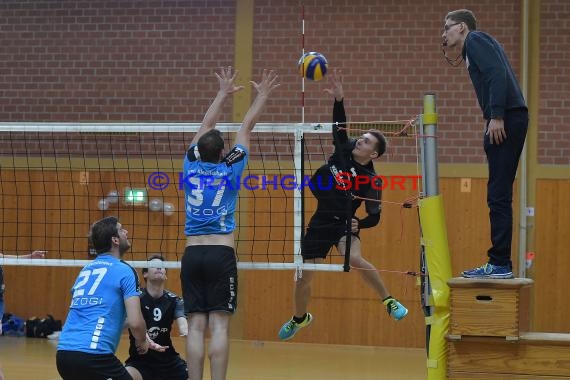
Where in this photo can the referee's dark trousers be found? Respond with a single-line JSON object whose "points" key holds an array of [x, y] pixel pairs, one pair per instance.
{"points": [[503, 160]]}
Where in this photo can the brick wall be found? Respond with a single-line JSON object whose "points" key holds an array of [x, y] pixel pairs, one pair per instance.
{"points": [[110, 60], [554, 127], [389, 52], [152, 61]]}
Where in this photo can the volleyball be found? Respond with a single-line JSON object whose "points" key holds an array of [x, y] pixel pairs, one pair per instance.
{"points": [[313, 66]]}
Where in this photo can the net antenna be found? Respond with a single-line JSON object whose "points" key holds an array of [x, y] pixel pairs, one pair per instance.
{"points": [[303, 64], [299, 193]]}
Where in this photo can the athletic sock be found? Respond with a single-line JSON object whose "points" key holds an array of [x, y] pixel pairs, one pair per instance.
{"points": [[299, 320]]}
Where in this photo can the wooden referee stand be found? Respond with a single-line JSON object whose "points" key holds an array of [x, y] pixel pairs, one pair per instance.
{"points": [[489, 334]]}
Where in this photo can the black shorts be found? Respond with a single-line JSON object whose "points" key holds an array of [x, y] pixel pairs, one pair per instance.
{"points": [[76, 365], [175, 369], [320, 238], [209, 279]]}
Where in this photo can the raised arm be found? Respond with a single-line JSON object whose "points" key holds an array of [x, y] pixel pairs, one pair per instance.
{"points": [[227, 87], [335, 82], [268, 83], [33, 255], [339, 116]]}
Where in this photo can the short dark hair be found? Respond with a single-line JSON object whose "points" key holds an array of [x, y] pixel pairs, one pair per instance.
{"points": [[156, 256], [210, 146], [102, 232], [463, 15], [381, 146]]}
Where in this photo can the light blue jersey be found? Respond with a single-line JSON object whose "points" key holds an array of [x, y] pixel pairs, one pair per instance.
{"points": [[211, 191], [97, 312]]}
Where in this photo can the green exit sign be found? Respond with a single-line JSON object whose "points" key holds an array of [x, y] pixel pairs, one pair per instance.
{"points": [[135, 196]]}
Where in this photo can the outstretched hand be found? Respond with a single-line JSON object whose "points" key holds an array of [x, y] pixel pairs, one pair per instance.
{"points": [[149, 344], [267, 84], [226, 79], [335, 82], [38, 254], [152, 345]]}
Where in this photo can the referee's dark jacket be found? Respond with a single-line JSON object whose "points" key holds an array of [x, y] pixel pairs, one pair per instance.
{"points": [[492, 75]]}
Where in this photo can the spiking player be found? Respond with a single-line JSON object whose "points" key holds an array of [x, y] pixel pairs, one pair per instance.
{"points": [[335, 214]]}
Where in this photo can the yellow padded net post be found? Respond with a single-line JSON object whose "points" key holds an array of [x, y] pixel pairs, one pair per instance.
{"points": [[435, 250]]}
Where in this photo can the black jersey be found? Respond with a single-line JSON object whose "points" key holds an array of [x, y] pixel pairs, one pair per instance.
{"points": [[335, 201], [159, 314]]}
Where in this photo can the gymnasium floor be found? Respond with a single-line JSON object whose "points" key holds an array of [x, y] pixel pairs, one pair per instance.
{"points": [[26, 358]]}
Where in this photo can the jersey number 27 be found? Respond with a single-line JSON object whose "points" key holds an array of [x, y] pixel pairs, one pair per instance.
{"points": [[83, 279]]}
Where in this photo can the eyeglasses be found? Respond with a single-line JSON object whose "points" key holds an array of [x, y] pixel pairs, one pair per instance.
{"points": [[449, 26]]}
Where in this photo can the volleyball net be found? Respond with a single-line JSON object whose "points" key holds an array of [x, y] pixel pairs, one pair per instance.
{"points": [[57, 179]]}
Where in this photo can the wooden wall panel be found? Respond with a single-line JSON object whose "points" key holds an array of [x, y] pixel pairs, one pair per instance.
{"points": [[552, 261], [467, 218], [56, 215], [342, 299], [37, 291], [346, 311]]}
